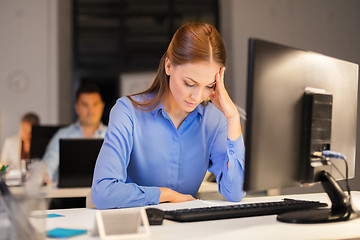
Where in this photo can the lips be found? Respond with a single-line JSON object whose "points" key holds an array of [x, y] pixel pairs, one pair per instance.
{"points": [[190, 104]]}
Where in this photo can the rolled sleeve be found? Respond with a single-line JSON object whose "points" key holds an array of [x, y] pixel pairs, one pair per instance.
{"points": [[152, 195], [231, 179], [236, 151]]}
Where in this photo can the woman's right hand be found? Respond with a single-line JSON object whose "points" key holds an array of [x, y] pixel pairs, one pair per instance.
{"points": [[169, 195], [47, 179]]}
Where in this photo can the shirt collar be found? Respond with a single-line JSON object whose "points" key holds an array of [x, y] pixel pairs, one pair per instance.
{"points": [[99, 130], [157, 110], [199, 110], [77, 124]]}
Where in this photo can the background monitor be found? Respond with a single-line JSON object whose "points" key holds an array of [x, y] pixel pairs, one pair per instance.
{"points": [[77, 161], [40, 138], [278, 77]]}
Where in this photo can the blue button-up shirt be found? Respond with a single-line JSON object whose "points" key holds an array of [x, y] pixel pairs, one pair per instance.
{"points": [[143, 150], [51, 156]]}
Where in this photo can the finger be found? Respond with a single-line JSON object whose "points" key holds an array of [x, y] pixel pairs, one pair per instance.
{"points": [[222, 73], [217, 77], [221, 76], [217, 83]]}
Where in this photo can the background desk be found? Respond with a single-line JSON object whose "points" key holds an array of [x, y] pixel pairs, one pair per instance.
{"points": [[58, 198], [264, 227], [52, 192], [208, 190]]}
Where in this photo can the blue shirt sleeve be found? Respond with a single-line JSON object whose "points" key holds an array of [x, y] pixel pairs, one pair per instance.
{"points": [[229, 167], [111, 187], [51, 157]]}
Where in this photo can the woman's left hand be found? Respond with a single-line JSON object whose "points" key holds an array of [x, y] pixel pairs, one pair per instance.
{"points": [[221, 99]]}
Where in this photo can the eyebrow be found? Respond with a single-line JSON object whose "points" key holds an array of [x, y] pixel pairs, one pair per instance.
{"points": [[198, 83]]}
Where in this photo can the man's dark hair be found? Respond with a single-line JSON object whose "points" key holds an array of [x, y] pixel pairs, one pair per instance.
{"points": [[88, 88], [31, 118]]}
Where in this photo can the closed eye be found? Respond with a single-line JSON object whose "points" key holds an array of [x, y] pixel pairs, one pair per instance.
{"points": [[189, 85]]}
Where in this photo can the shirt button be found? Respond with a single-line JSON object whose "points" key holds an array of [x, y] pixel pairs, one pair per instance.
{"points": [[231, 152], [231, 145]]}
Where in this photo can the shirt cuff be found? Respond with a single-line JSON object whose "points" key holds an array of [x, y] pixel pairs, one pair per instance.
{"points": [[152, 195], [236, 150]]}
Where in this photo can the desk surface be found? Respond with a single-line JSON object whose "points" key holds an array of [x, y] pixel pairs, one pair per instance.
{"points": [[53, 192], [265, 227]]}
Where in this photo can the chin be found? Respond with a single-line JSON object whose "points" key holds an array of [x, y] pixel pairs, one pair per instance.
{"points": [[189, 109]]}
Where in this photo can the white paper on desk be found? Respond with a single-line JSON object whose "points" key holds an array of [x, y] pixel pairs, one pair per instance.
{"points": [[192, 204]]}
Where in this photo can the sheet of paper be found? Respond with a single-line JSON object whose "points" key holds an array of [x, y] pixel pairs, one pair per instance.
{"points": [[193, 204]]}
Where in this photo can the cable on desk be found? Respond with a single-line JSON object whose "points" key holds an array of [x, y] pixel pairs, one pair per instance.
{"points": [[327, 155]]}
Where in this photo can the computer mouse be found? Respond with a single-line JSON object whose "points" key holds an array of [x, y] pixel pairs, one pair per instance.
{"points": [[155, 216]]}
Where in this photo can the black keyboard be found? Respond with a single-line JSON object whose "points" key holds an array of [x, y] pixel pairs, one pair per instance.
{"points": [[240, 210]]}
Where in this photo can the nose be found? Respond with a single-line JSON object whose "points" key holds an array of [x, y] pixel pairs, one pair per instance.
{"points": [[91, 110], [196, 95]]}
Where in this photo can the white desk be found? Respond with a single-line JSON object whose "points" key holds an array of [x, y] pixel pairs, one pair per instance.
{"points": [[265, 227], [53, 192]]}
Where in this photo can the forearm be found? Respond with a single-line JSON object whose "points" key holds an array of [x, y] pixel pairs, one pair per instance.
{"points": [[229, 170], [51, 160], [165, 195], [233, 127], [111, 193], [169, 195], [231, 183]]}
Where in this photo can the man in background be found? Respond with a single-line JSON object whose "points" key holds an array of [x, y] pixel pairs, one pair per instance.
{"points": [[89, 107]]}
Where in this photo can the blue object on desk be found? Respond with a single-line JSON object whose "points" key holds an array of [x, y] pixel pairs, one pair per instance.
{"points": [[52, 215], [64, 232]]}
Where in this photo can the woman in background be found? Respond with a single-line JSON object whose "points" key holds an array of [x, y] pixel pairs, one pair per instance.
{"points": [[17, 148], [160, 143]]}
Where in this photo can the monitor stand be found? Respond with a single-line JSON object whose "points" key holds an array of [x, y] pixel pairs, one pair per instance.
{"points": [[341, 208]]}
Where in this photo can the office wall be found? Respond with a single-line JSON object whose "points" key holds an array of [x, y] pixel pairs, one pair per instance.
{"points": [[32, 76], [331, 27], [35, 48]]}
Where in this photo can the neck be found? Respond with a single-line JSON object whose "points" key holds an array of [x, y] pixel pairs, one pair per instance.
{"points": [[26, 145], [176, 114], [89, 130]]}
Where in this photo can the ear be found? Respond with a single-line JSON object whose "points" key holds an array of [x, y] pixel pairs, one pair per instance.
{"points": [[168, 66], [76, 107]]}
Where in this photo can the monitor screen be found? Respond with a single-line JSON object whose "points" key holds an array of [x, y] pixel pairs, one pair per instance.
{"points": [[77, 161], [278, 78], [40, 138]]}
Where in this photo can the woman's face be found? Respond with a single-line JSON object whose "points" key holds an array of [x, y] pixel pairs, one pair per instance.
{"points": [[25, 131], [191, 83]]}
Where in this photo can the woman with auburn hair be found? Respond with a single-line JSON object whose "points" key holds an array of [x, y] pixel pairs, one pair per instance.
{"points": [[160, 143]]}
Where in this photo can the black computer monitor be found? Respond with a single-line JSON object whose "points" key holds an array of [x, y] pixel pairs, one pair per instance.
{"points": [[299, 103], [40, 138], [77, 161]]}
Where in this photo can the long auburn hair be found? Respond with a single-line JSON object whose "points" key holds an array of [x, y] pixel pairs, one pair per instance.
{"points": [[192, 42]]}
